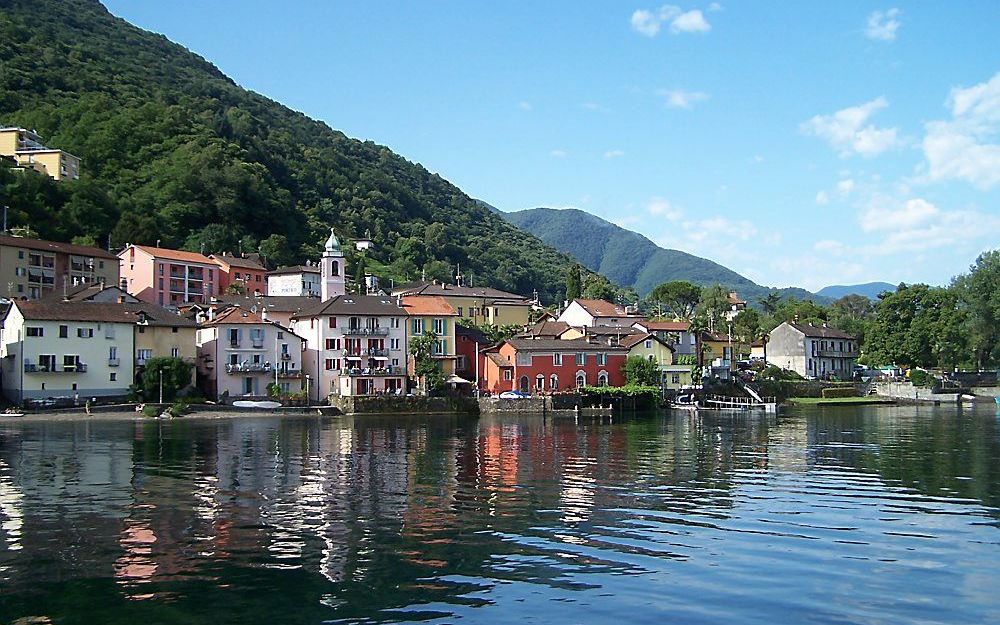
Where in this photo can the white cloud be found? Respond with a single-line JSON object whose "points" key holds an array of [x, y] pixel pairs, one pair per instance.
{"points": [[681, 99], [884, 214], [706, 229], [961, 148], [915, 225], [829, 246], [844, 187], [662, 208], [756, 158], [558, 153], [882, 25], [846, 130], [614, 154], [650, 22], [822, 198], [715, 7], [524, 105]]}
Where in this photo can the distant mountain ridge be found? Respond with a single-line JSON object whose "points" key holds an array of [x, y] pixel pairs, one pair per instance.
{"points": [[870, 290], [630, 259]]}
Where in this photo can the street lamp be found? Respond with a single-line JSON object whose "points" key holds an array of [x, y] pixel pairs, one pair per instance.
{"points": [[308, 396]]}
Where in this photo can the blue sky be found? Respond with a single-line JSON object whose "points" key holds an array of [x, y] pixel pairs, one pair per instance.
{"points": [[797, 143]]}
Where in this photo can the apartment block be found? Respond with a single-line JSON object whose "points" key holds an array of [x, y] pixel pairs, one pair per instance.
{"points": [[26, 147], [168, 277], [33, 268]]}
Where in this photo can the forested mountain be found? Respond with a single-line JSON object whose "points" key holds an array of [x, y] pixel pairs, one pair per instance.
{"points": [[175, 151], [870, 290], [627, 257]]}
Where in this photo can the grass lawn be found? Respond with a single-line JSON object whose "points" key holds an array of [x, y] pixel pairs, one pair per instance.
{"points": [[839, 401]]}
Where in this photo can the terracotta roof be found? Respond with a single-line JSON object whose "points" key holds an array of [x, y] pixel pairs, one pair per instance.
{"points": [[557, 345], [734, 299], [427, 305], [499, 360], [178, 255], [294, 269], [664, 326], [236, 315], [55, 247], [372, 305], [76, 311], [236, 261], [550, 329], [86, 293], [275, 303], [453, 290], [821, 332], [601, 308]]}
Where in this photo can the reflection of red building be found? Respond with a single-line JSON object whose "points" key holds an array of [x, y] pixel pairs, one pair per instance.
{"points": [[546, 365]]}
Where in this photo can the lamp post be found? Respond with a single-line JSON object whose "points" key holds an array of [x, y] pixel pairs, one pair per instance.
{"points": [[308, 396], [161, 384]]}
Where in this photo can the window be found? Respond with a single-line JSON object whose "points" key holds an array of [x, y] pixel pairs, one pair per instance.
{"points": [[602, 378], [553, 382], [175, 352], [602, 359], [63, 332], [557, 359], [20, 254], [35, 331], [100, 264], [143, 355], [70, 362], [417, 327], [174, 330], [439, 326], [394, 344], [675, 378], [85, 333], [581, 359], [329, 343], [540, 382], [508, 375], [581, 379], [460, 363], [333, 322], [328, 364], [649, 344], [394, 322], [113, 353], [234, 337], [459, 311], [142, 329], [234, 359], [281, 335], [114, 376], [46, 362], [395, 362]]}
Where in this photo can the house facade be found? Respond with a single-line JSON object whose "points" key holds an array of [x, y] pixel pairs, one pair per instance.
{"points": [[813, 351], [547, 366], [26, 148], [160, 333], [66, 350], [355, 345], [297, 281], [677, 333], [480, 305], [248, 273], [34, 269], [435, 315], [470, 362], [240, 352], [168, 277], [673, 375], [597, 312]]}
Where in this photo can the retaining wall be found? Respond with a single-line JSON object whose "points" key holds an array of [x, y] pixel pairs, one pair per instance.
{"points": [[404, 405], [906, 391]]}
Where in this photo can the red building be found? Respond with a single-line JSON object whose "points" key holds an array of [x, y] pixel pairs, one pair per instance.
{"points": [[247, 272], [470, 361], [547, 365]]}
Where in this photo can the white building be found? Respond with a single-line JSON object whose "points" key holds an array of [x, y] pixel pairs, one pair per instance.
{"points": [[812, 351], [677, 333], [240, 352], [297, 281], [355, 345], [597, 312], [333, 278], [66, 350]]}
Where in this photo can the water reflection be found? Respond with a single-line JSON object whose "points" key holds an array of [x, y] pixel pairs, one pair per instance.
{"points": [[835, 515]]}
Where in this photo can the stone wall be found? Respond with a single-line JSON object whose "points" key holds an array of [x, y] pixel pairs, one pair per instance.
{"points": [[404, 405], [907, 391]]}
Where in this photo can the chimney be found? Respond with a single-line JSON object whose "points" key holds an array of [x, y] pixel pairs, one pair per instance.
{"points": [[263, 314]]}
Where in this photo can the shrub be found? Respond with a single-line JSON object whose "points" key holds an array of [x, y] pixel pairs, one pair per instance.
{"points": [[919, 377], [151, 410], [176, 375], [840, 391]]}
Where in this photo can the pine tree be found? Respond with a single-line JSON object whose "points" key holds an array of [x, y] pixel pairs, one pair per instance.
{"points": [[574, 282]]}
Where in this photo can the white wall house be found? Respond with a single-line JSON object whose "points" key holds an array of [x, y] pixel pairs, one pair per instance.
{"points": [[812, 351], [597, 312], [240, 353], [355, 345], [297, 281], [66, 350]]}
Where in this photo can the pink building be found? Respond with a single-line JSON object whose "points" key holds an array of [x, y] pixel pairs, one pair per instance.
{"points": [[168, 277]]}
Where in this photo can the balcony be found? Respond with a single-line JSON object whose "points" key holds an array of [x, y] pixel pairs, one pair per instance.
{"points": [[349, 331], [830, 353], [369, 372], [286, 356], [257, 344], [366, 353], [114, 362], [30, 367], [289, 373], [249, 367]]}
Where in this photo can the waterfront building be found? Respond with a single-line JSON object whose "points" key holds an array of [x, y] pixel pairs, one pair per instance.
{"points": [[435, 315], [295, 281], [480, 305], [673, 375], [34, 268], [677, 333], [26, 148], [609, 335], [160, 333], [355, 345], [240, 352], [246, 272], [597, 312], [66, 350], [168, 277], [812, 351], [470, 362], [547, 366]]}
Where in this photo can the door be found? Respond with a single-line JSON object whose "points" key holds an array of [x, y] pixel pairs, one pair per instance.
{"points": [[248, 386], [523, 384]]}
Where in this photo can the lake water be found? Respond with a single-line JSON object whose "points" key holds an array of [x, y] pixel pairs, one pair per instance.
{"points": [[856, 515]]}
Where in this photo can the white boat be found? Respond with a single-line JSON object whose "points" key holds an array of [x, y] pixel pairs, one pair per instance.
{"points": [[267, 405], [11, 413]]}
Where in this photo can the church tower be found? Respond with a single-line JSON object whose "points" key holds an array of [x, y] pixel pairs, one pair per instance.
{"points": [[332, 270]]}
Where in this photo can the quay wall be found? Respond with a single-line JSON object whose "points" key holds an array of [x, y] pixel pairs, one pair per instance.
{"points": [[906, 391]]}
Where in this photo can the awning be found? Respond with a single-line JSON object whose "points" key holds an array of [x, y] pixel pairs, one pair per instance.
{"points": [[456, 379]]}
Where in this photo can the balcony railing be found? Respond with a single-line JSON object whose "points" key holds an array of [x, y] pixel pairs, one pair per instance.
{"points": [[249, 367], [372, 372], [114, 362], [289, 373], [286, 356], [832, 353], [353, 331], [362, 353], [30, 367]]}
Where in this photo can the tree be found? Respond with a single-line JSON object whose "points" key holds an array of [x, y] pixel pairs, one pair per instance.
{"points": [[770, 302], [918, 326], [678, 298], [713, 306], [236, 288], [597, 287], [176, 376], [425, 367], [979, 294], [574, 283], [275, 251], [641, 371], [747, 328], [852, 313]]}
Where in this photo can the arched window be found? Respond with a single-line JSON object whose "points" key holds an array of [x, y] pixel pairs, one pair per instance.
{"points": [[540, 382], [334, 268], [602, 378], [523, 384], [554, 382], [581, 379]]}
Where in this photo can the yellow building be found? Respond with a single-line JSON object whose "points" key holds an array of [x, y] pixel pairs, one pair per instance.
{"points": [[33, 268], [26, 147], [673, 376], [160, 333], [481, 305], [429, 313]]}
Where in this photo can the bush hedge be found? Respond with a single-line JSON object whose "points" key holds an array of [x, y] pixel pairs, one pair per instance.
{"points": [[840, 391]]}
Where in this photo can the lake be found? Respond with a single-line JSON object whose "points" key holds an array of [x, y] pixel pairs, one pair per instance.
{"points": [[819, 515]]}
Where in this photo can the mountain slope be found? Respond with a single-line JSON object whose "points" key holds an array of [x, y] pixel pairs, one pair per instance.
{"points": [[627, 257], [869, 290], [175, 151]]}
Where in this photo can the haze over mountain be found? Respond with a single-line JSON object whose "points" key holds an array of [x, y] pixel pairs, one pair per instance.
{"points": [[628, 258], [174, 151], [869, 290]]}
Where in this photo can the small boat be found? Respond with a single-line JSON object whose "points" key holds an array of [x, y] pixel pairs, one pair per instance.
{"points": [[11, 412], [267, 405]]}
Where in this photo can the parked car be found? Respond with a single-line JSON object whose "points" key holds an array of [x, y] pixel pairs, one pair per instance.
{"points": [[514, 395]]}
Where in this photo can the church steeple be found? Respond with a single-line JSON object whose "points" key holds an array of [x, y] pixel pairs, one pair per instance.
{"points": [[332, 270]]}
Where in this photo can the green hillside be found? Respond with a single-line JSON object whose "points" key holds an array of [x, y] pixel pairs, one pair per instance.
{"points": [[628, 258], [175, 151]]}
